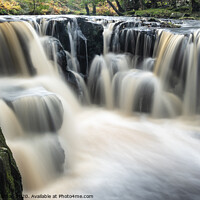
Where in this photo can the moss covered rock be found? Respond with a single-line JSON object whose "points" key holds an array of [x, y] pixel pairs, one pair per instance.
{"points": [[10, 178]]}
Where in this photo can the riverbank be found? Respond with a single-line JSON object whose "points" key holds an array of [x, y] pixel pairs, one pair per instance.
{"points": [[167, 13], [101, 8]]}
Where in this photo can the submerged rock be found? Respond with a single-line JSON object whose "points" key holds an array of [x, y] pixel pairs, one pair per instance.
{"points": [[10, 178], [37, 109], [169, 25]]}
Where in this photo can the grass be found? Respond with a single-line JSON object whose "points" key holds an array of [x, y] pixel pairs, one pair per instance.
{"points": [[157, 12], [177, 13]]}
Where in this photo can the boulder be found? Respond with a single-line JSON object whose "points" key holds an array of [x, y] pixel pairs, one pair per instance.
{"points": [[10, 178], [93, 32], [37, 109], [85, 34]]}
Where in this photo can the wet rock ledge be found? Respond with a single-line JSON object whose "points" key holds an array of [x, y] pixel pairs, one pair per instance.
{"points": [[10, 178]]}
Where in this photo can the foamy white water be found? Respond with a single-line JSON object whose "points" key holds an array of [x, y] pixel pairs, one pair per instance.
{"points": [[116, 157]]}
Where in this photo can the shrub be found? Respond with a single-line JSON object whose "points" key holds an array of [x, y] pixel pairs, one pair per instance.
{"points": [[9, 7]]}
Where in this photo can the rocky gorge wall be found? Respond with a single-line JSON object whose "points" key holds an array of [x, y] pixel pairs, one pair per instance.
{"points": [[10, 178]]}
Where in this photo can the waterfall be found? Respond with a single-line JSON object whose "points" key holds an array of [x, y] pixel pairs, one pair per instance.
{"points": [[123, 126], [171, 59], [102, 71], [34, 97], [108, 30], [74, 36]]}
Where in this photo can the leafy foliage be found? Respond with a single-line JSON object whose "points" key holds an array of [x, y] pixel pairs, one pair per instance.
{"points": [[9, 7], [154, 13], [43, 7], [157, 8], [103, 8]]}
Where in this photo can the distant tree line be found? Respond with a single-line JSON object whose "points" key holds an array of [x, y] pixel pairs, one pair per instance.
{"points": [[33, 6], [120, 7], [128, 5]]}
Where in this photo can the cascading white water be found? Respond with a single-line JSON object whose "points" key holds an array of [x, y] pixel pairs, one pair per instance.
{"points": [[102, 71], [109, 154], [108, 30], [33, 106]]}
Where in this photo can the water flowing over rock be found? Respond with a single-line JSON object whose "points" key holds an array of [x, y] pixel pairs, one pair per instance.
{"points": [[81, 38], [32, 109], [127, 37], [12, 63], [107, 107], [161, 52], [37, 109]]}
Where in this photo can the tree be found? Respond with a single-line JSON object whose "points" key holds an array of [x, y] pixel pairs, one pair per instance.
{"points": [[87, 8], [129, 5], [34, 6], [120, 9], [173, 3], [195, 5], [94, 4], [94, 9], [114, 8], [126, 5], [154, 3], [9, 7], [86, 4]]}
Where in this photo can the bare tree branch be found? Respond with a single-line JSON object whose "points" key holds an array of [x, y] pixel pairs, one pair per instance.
{"points": [[114, 8]]}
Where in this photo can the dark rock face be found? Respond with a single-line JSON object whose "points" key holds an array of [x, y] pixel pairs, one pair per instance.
{"points": [[88, 35], [94, 35], [78, 36], [10, 178], [50, 44]]}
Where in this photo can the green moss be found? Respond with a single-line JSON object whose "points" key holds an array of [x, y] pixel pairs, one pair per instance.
{"points": [[153, 19], [176, 15], [10, 179], [194, 15], [8, 182], [157, 12], [2, 139], [183, 9], [78, 12], [130, 13], [187, 18]]}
